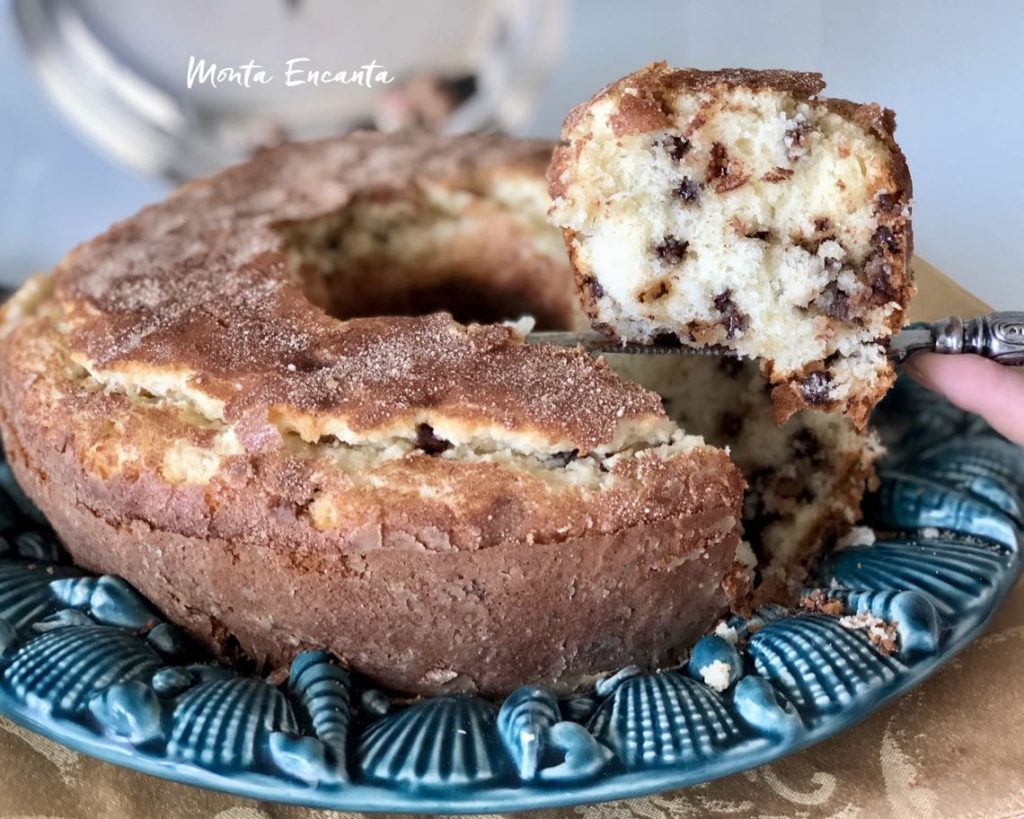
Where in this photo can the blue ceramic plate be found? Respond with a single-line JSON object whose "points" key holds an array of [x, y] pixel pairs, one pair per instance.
{"points": [[86, 661]]}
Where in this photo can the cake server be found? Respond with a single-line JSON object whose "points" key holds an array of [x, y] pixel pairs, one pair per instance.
{"points": [[997, 336]]}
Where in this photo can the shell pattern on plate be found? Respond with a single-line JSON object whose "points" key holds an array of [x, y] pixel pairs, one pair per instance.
{"points": [[87, 661]]}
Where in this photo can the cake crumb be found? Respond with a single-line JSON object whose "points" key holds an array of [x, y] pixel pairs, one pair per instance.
{"points": [[745, 555], [857, 536], [522, 326], [880, 633], [930, 532], [727, 633], [440, 676], [819, 601], [716, 676]]}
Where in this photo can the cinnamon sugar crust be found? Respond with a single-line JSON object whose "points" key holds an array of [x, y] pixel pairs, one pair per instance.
{"points": [[200, 284]]}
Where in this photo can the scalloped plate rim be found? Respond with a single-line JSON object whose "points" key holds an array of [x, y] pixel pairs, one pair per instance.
{"points": [[616, 785]]}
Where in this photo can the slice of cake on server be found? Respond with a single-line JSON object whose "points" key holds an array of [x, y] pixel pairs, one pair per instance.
{"points": [[738, 209]]}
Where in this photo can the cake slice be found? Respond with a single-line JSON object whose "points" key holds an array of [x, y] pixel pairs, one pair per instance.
{"points": [[805, 478], [737, 209]]}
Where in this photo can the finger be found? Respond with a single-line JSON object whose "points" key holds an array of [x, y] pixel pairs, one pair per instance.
{"points": [[977, 385]]}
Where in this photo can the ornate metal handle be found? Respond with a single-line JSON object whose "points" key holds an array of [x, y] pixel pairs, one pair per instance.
{"points": [[998, 336]]}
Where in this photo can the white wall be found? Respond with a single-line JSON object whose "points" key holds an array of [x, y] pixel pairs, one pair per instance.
{"points": [[55, 190], [952, 71]]}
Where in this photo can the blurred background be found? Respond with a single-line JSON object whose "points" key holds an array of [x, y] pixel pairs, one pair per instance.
{"points": [[96, 119]]}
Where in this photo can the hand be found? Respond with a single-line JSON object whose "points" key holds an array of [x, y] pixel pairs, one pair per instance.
{"points": [[975, 384]]}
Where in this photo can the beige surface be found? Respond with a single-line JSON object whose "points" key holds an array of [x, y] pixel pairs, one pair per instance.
{"points": [[939, 296], [950, 748]]}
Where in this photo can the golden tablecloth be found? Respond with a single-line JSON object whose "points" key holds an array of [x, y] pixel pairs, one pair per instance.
{"points": [[953, 747]]}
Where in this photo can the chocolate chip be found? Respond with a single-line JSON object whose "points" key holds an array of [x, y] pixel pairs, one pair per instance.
{"points": [[816, 388], [657, 291], [839, 306], [676, 146], [671, 250], [762, 235], [688, 190], [884, 238], [732, 424], [594, 286], [887, 202], [722, 170], [796, 140], [835, 302], [821, 224], [735, 322], [734, 319], [718, 166], [430, 443], [560, 459], [877, 272]]}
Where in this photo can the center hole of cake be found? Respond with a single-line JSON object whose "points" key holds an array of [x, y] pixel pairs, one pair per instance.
{"points": [[468, 255]]}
